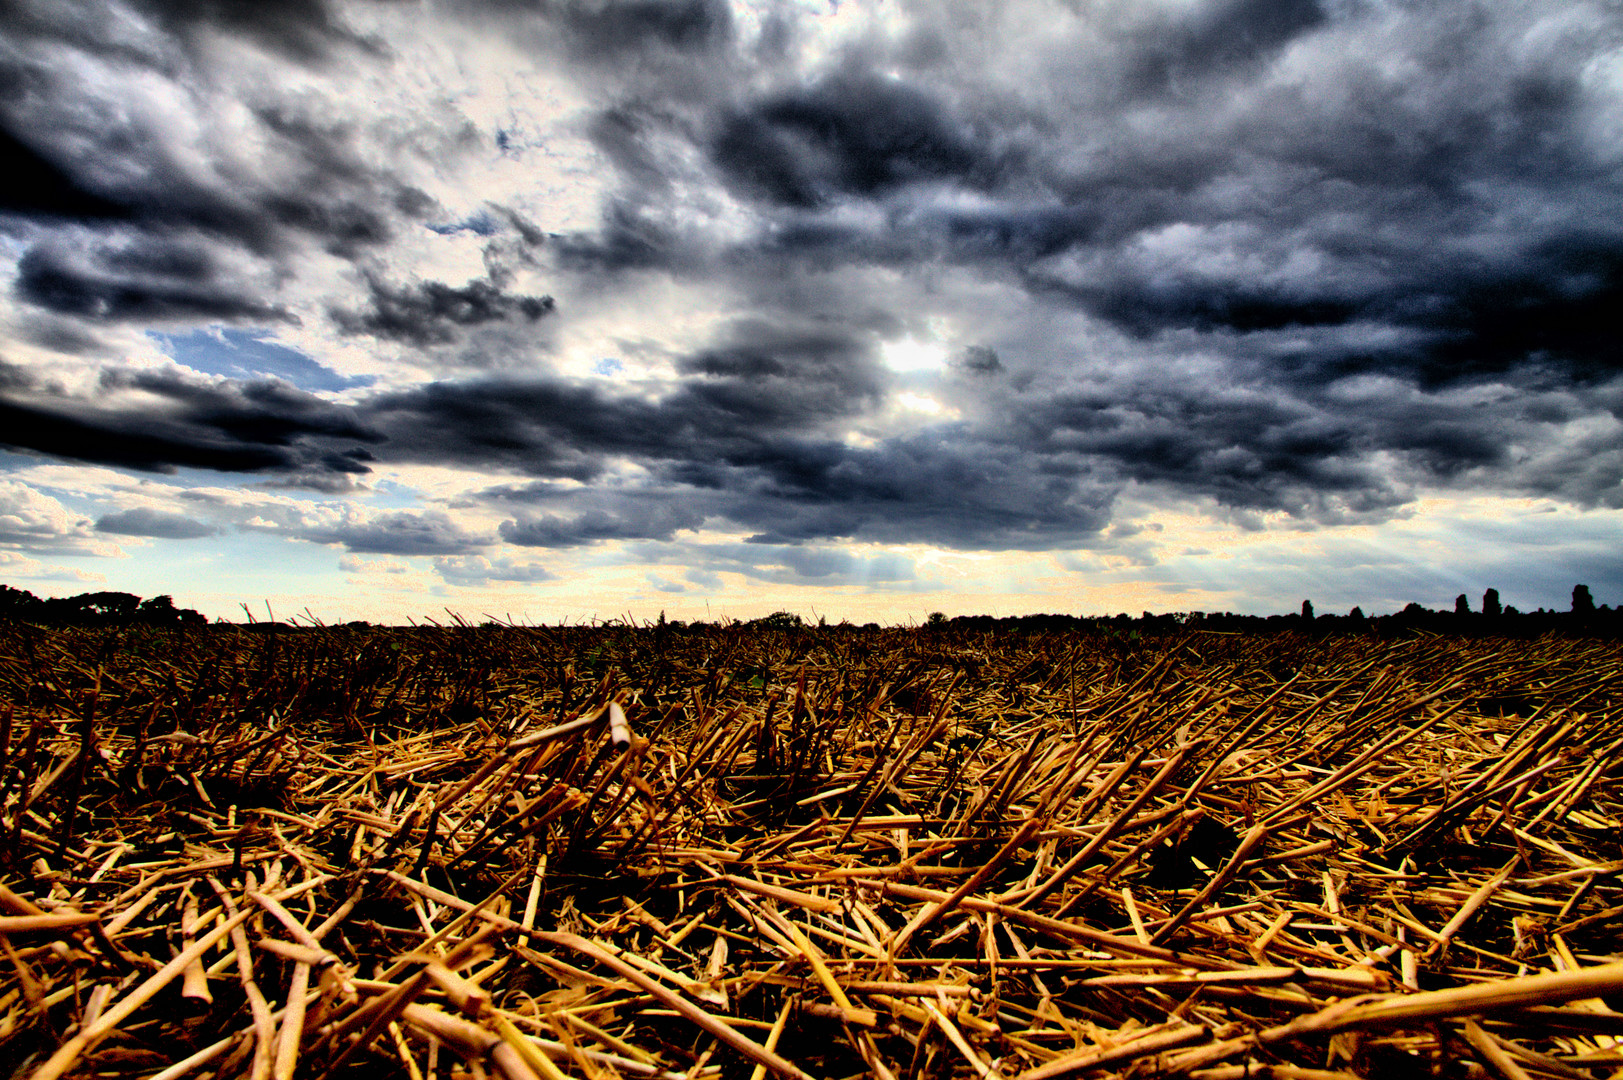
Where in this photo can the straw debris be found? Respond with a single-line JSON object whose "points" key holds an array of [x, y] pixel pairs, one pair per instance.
{"points": [[685, 852]]}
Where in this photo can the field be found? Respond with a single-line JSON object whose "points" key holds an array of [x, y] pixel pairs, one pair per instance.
{"points": [[808, 851]]}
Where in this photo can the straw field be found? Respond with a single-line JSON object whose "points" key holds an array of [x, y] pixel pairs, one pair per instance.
{"points": [[698, 852]]}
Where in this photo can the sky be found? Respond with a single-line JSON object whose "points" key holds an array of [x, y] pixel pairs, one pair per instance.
{"points": [[571, 310]]}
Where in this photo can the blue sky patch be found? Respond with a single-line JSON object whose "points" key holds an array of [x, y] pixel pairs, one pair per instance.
{"points": [[252, 354], [479, 223]]}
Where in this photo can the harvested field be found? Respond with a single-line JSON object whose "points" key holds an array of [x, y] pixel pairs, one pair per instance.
{"points": [[691, 852]]}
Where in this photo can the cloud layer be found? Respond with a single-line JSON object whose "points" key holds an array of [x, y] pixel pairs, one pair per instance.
{"points": [[644, 274]]}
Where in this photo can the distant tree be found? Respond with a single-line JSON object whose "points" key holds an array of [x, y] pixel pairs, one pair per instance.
{"points": [[1462, 606], [1307, 610], [110, 605], [1512, 609], [937, 618], [1356, 614], [19, 603], [1582, 602], [1490, 603], [161, 611], [96, 609]]}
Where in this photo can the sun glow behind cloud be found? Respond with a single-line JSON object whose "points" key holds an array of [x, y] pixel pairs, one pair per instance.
{"points": [[909, 355]]}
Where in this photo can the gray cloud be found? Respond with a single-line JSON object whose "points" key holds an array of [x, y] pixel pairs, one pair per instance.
{"points": [[429, 532], [852, 134], [612, 29], [662, 585], [147, 280], [978, 360], [34, 184], [1038, 467], [648, 521], [782, 564], [222, 425], [145, 521], [94, 102], [477, 570], [304, 30], [431, 312], [708, 580]]}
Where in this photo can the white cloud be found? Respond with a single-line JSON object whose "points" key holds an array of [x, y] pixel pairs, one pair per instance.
{"points": [[477, 570], [17, 566], [34, 522]]}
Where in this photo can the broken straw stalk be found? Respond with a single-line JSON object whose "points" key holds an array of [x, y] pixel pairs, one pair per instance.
{"points": [[661, 852]]}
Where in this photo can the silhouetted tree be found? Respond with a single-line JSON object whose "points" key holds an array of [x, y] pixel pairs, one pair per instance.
{"points": [[113, 605], [1356, 614], [1582, 602], [1462, 606], [1490, 602], [1307, 610], [19, 603], [96, 609]]}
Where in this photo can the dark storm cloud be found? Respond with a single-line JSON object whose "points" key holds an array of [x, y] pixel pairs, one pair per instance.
{"points": [[761, 384], [432, 312], [1299, 256], [306, 31], [145, 521], [1560, 307], [127, 170], [614, 28], [251, 427], [91, 114], [1553, 305], [735, 454], [34, 185], [1331, 165], [146, 281], [265, 411], [1177, 45], [853, 134], [303, 30], [1242, 450], [765, 377], [1044, 472], [978, 360], [744, 438], [551, 429], [1450, 205]]}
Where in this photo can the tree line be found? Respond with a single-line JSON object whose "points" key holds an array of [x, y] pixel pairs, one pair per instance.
{"points": [[1491, 617], [96, 609]]}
